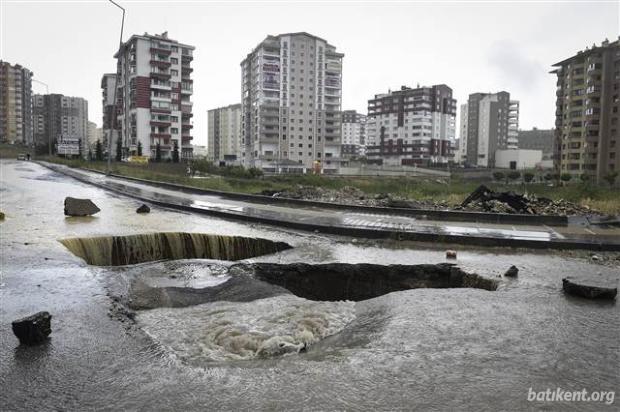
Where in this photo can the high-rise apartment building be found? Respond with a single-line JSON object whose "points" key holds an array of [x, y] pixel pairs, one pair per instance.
{"points": [[225, 133], [411, 126], [353, 134], [587, 112], [489, 122], [108, 83], [15, 104], [58, 117], [290, 105], [153, 96]]}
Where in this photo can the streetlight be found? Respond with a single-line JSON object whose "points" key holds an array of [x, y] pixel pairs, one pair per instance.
{"points": [[49, 140], [114, 120]]}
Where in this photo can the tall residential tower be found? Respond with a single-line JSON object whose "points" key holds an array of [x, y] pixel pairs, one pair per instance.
{"points": [[353, 134], [15, 104], [153, 95], [411, 126], [489, 122], [588, 112], [290, 105], [58, 118], [225, 133]]}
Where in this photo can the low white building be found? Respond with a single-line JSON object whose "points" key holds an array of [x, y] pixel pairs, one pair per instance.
{"points": [[517, 159]]}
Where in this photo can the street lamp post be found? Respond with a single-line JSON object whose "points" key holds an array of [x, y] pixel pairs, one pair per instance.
{"points": [[49, 140], [114, 119]]}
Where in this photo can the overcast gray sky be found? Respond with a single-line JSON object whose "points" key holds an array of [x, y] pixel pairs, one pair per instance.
{"points": [[470, 46]]}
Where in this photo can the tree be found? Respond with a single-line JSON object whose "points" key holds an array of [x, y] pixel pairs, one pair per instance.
{"points": [[98, 151], [139, 148], [528, 177], [175, 152], [158, 153], [90, 154], [514, 175], [119, 150], [565, 177], [498, 176], [611, 178]]}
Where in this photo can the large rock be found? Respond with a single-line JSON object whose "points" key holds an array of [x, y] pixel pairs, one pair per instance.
{"points": [[512, 272], [143, 209], [80, 207], [590, 288], [33, 329]]}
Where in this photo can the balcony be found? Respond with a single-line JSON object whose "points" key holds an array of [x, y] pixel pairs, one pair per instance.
{"points": [[160, 50], [160, 75], [160, 123], [160, 63], [164, 136]]}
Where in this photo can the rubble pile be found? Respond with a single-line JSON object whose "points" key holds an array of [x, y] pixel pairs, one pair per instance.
{"points": [[352, 196], [484, 199]]}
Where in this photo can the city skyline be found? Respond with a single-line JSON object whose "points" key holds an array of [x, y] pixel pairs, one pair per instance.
{"points": [[510, 48]]}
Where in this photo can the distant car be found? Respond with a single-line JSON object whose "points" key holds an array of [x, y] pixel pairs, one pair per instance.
{"points": [[21, 156]]}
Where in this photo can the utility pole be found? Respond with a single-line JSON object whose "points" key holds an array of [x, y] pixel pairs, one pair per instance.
{"points": [[49, 140], [115, 114]]}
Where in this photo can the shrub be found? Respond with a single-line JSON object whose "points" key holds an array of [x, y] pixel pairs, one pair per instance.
{"points": [[548, 176], [584, 177], [528, 177], [498, 176], [514, 175], [565, 177], [611, 178]]}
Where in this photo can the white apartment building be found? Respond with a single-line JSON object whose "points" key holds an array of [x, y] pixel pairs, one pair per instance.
{"points": [[153, 96], [224, 134], [108, 83], [291, 100], [411, 126], [489, 122], [353, 134]]}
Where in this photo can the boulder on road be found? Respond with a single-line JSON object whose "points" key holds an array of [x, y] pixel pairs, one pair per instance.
{"points": [[33, 329], [80, 207], [512, 272], [143, 209], [590, 288]]}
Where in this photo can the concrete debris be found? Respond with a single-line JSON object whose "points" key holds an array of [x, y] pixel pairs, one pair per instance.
{"points": [[143, 209], [80, 207], [512, 272], [590, 288], [486, 200], [33, 329]]}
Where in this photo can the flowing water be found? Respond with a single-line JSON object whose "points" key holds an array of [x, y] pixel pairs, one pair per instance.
{"points": [[259, 347]]}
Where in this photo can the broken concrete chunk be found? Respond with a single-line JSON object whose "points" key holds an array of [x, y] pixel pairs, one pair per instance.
{"points": [[143, 209], [33, 329], [590, 288], [80, 207], [512, 272]]}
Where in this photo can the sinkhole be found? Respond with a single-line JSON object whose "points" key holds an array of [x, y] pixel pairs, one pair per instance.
{"points": [[362, 281], [132, 249]]}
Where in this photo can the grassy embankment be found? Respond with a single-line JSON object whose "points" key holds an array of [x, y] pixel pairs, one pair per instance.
{"points": [[453, 192]]}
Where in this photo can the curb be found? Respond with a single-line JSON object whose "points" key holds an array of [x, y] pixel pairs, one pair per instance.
{"points": [[452, 216], [366, 232]]}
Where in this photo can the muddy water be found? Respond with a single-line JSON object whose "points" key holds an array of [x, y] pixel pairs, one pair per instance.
{"points": [[432, 349]]}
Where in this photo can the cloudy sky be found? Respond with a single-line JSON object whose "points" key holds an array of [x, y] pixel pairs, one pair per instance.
{"points": [[470, 46]]}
